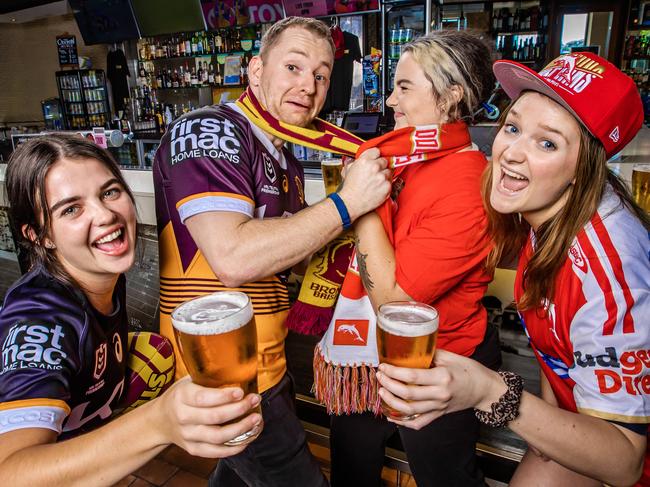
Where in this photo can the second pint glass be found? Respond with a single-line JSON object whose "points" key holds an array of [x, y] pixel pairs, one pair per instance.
{"points": [[641, 185], [218, 341], [406, 337], [331, 174]]}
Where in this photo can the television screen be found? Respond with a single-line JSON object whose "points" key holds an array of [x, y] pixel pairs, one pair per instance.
{"points": [[104, 21], [157, 17], [320, 8]]}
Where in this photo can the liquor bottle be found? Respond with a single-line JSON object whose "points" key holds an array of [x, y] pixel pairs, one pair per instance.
{"points": [[217, 76], [169, 117], [188, 46], [176, 79], [199, 75], [142, 50], [194, 80], [516, 23], [510, 20], [206, 75], [206, 44], [534, 18], [186, 77], [526, 50], [237, 41], [218, 42], [211, 46], [211, 74], [181, 45], [199, 44]]}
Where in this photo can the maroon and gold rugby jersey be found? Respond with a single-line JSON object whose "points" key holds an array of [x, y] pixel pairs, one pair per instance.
{"points": [[213, 159]]}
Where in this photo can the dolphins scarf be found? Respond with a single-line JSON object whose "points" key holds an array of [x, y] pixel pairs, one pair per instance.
{"points": [[332, 295], [346, 357]]}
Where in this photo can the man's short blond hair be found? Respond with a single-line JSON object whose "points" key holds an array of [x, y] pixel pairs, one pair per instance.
{"points": [[316, 27]]}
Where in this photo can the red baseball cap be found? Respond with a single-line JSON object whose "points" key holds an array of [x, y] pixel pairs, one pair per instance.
{"points": [[596, 92]]}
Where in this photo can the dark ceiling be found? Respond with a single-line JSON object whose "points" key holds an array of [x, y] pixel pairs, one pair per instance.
{"points": [[7, 6]]}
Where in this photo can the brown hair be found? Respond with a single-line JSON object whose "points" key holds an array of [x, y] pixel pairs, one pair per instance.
{"points": [[26, 173], [316, 27], [455, 58], [554, 237]]}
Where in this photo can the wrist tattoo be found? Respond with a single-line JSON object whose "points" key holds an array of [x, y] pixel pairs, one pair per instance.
{"points": [[363, 268]]}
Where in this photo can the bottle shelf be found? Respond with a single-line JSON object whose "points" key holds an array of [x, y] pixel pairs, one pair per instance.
{"points": [[200, 56], [198, 87], [517, 32]]}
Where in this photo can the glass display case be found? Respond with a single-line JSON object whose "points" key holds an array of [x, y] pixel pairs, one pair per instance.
{"points": [[403, 21], [83, 98], [52, 115], [136, 153]]}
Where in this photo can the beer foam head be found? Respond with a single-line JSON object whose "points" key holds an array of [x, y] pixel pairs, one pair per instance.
{"points": [[408, 319], [332, 162], [213, 314]]}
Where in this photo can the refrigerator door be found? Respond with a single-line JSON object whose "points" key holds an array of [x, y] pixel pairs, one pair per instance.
{"points": [[52, 114], [72, 101], [404, 21], [95, 96]]}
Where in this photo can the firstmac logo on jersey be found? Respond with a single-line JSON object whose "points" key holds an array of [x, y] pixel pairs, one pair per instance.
{"points": [[33, 346], [204, 137], [628, 371]]}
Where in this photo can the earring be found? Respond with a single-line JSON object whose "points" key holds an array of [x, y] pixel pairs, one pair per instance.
{"points": [[49, 245]]}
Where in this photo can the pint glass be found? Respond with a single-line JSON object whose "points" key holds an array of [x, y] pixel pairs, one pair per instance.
{"points": [[218, 341], [406, 337], [641, 185], [331, 174]]}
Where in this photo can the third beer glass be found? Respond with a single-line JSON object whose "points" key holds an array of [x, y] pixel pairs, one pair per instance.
{"points": [[406, 337], [331, 174], [641, 185], [218, 341]]}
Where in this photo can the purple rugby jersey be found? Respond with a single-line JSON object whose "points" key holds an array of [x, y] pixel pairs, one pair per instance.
{"points": [[213, 159], [62, 362]]}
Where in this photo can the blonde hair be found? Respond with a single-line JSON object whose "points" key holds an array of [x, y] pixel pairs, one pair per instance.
{"points": [[455, 58], [315, 26]]}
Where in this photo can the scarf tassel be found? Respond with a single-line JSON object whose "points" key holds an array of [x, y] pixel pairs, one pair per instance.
{"points": [[307, 319], [345, 389]]}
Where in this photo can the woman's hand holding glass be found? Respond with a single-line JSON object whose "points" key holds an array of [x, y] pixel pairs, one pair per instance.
{"points": [[454, 384], [192, 416]]}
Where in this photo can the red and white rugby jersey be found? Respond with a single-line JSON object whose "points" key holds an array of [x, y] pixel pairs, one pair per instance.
{"points": [[594, 341]]}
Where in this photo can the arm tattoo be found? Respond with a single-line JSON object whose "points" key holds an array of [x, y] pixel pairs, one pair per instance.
{"points": [[363, 269]]}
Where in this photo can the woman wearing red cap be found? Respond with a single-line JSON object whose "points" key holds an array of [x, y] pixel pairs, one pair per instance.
{"points": [[428, 243], [582, 286]]}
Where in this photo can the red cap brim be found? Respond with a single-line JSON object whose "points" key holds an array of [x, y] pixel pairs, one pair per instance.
{"points": [[515, 78]]}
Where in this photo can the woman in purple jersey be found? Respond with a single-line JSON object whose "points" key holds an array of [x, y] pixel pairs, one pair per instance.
{"points": [[582, 286], [62, 326]]}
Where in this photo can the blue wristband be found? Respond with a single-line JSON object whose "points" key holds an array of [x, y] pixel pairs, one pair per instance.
{"points": [[343, 211]]}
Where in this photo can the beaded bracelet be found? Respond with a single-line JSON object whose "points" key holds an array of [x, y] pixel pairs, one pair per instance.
{"points": [[507, 407]]}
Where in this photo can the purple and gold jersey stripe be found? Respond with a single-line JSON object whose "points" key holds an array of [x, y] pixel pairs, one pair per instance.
{"points": [[28, 403]]}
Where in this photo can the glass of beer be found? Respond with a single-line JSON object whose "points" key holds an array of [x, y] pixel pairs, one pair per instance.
{"points": [[406, 337], [641, 185], [218, 341], [331, 174]]}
